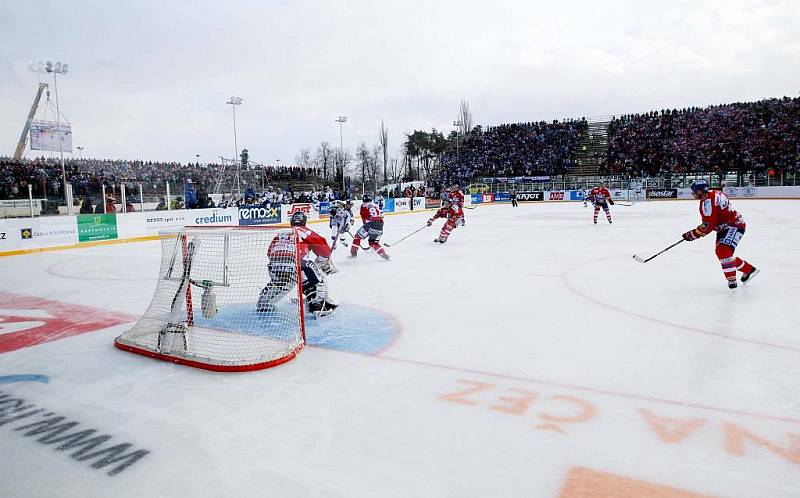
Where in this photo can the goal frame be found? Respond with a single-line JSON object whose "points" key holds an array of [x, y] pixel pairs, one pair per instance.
{"points": [[181, 238]]}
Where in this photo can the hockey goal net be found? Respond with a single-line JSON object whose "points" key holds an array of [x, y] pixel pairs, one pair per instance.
{"points": [[204, 312]]}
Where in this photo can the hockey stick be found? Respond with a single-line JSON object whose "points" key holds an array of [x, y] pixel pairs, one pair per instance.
{"points": [[183, 286], [626, 204], [187, 269], [407, 236], [359, 244], [642, 260]]}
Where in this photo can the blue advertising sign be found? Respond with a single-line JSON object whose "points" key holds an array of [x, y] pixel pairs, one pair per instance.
{"points": [[477, 198], [388, 205], [260, 215], [324, 208], [502, 197]]}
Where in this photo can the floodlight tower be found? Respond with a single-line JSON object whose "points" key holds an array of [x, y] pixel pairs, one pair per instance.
{"points": [[341, 120], [55, 68], [233, 102], [458, 124]]}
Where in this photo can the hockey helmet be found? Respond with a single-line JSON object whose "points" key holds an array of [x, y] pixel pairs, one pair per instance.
{"points": [[298, 219], [699, 186], [366, 198]]}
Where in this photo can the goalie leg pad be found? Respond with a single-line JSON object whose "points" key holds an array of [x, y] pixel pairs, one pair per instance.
{"points": [[283, 279]]}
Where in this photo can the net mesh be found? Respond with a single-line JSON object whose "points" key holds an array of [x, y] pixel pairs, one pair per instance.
{"points": [[208, 307]]}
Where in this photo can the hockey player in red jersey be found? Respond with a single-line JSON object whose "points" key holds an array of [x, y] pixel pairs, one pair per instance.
{"points": [[601, 198], [283, 269], [454, 215], [372, 229], [718, 215], [457, 198]]}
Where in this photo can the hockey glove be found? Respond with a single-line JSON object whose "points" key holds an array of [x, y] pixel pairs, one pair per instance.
{"points": [[430, 222], [611, 201], [691, 235]]}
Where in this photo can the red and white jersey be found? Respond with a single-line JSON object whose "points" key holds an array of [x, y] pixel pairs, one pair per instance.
{"points": [[599, 195], [452, 212], [282, 246], [457, 198], [717, 213], [370, 212]]}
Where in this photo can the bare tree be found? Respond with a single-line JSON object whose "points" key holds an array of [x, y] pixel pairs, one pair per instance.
{"points": [[303, 159], [343, 162], [395, 168], [383, 139], [363, 157], [324, 159], [465, 117], [374, 166]]}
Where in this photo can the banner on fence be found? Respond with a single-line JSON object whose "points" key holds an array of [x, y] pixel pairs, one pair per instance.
{"points": [[530, 196], [259, 215], [97, 227]]}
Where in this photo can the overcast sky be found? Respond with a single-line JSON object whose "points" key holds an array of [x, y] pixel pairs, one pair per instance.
{"points": [[149, 79]]}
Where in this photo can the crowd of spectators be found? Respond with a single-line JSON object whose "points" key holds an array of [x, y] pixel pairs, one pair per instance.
{"points": [[753, 136], [748, 136], [520, 149], [88, 175]]}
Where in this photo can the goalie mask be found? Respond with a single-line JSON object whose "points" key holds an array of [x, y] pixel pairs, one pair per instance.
{"points": [[298, 219]]}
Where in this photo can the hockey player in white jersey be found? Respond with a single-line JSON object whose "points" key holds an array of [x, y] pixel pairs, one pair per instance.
{"points": [[340, 222]]}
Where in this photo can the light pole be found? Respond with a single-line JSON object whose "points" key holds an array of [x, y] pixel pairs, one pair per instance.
{"points": [[341, 120], [458, 125], [55, 68], [233, 102], [80, 151]]}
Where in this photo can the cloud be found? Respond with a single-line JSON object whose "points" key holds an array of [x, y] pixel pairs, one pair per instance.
{"points": [[150, 79]]}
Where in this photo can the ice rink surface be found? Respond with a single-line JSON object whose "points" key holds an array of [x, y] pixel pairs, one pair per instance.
{"points": [[532, 358]]}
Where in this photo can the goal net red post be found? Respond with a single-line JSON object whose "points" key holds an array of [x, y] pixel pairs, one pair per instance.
{"points": [[206, 310]]}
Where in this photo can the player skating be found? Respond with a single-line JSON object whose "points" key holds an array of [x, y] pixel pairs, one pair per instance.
{"points": [[585, 195], [454, 215], [340, 221], [457, 198], [372, 217], [601, 198], [717, 215], [283, 271], [514, 197]]}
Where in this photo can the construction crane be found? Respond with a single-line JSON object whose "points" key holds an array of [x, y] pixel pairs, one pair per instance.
{"points": [[24, 136]]}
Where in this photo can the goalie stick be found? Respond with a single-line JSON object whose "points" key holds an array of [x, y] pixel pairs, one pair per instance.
{"points": [[639, 259]]}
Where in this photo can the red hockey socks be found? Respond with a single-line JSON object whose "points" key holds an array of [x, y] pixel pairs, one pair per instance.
{"points": [[377, 248], [446, 229], [730, 263], [355, 246]]}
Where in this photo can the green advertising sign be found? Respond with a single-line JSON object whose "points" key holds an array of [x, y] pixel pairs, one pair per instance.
{"points": [[97, 227]]}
